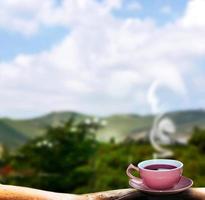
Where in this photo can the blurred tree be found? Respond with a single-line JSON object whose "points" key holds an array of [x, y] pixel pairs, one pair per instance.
{"points": [[198, 138], [69, 159], [60, 160]]}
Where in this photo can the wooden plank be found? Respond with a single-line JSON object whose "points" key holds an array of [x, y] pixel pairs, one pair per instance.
{"points": [[23, 193], [131, 194]]}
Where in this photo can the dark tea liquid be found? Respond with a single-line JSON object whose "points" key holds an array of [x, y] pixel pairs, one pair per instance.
{"points": [[160, 167]]}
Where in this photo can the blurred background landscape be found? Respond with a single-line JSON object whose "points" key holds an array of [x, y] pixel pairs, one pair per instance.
{"points": [[89, 86], [119, 127]]}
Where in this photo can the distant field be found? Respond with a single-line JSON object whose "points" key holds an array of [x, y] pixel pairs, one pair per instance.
{"points": [[15, 132]]}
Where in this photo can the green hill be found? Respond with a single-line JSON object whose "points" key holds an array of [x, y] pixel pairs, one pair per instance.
{"points": [[15, 132], [10, 136], [136, 127], [122, 126], [35, 127]]}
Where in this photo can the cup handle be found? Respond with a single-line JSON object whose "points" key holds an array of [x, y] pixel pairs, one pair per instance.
{"points": [[129, 171]]}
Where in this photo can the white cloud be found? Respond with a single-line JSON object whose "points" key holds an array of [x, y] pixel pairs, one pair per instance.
{"points": [[27, 17], [194, 15], [20, 15], [114, 4], [104, 65]]}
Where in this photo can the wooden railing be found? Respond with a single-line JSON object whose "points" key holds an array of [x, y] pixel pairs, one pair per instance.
{"points": [[23, 193]]}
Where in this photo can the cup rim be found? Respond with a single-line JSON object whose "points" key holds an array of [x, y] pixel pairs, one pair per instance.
{"points": [[154, 161]]}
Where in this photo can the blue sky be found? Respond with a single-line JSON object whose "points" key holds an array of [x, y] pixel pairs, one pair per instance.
{"points": [[15, 43], [101, 56], [159, 10]]}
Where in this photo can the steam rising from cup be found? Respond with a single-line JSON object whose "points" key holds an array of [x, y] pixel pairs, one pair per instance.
{"points": [[163, 129], [162, 132]]}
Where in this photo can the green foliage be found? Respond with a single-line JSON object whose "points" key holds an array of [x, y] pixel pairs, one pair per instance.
{"points": [[198, 138], [60, 157], [69, 159]]}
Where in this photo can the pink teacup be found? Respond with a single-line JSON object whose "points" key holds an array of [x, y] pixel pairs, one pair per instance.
{"points": [[160, 174]]}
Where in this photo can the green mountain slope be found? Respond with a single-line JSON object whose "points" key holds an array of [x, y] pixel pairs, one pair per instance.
{"points": [[185, 120], [35, 127], [15, 132], [122, 126], [9, 136]]}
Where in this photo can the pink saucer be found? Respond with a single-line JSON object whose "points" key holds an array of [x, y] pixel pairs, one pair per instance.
{"points": [[183, 185]]}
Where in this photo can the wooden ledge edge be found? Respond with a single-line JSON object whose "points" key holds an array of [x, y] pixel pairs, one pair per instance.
{"points": [[8, 192]]}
